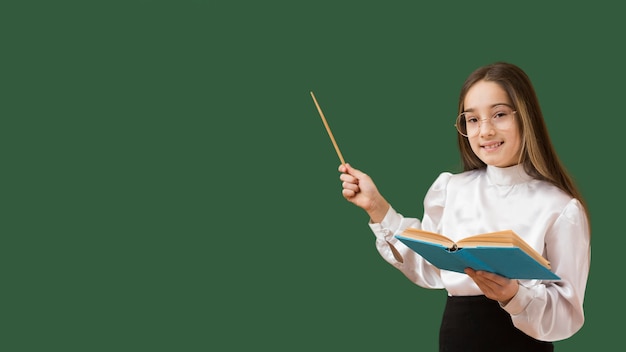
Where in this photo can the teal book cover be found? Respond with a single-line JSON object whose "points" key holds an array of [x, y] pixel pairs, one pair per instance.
{"points": [[508, 261]]}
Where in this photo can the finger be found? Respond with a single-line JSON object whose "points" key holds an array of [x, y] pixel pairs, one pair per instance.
{"points": [[485, 276], [354, 172], [347, 193], [351, 186], [491, 277], [348, 178], [479, 279]]}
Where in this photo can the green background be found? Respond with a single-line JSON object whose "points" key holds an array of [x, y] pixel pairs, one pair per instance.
{"points": [[168, 184]]}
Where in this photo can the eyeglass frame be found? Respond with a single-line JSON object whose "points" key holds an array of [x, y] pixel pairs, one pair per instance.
{"points": [[456, 124]]}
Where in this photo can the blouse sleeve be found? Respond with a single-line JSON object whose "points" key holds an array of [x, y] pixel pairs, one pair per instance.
{"points": [[553, 311], [414, 267]]}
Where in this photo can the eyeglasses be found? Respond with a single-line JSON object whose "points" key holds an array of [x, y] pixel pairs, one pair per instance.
{"points": [[468, 123]]}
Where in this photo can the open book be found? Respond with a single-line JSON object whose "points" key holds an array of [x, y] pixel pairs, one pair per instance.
{"points": [[502, 252]]}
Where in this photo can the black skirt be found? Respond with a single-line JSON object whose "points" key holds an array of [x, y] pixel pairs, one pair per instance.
{"points": [[477, 323]]}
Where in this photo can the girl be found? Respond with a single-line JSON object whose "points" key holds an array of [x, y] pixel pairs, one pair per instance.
{"points": [[512, 179]]}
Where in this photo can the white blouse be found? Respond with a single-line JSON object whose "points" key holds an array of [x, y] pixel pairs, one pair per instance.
{"points": [[494, 199]]}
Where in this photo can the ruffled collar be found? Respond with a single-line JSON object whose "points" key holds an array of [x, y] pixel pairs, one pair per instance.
{"points": [[507, 176]]}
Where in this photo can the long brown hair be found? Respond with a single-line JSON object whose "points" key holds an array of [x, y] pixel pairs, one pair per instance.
{"points": [[538, 155]]}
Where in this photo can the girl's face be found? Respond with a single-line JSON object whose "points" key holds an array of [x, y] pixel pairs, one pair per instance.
{"points": [[489, 113]]}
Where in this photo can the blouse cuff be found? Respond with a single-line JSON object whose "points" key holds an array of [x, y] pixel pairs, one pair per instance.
{"points": [[388, 226]]}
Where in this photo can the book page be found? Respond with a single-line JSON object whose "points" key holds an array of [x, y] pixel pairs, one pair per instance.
{"points": [[428, 237], [506, 238]]}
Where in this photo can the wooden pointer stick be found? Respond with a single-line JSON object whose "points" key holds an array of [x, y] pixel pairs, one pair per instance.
{"points": [[328, 129]]}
